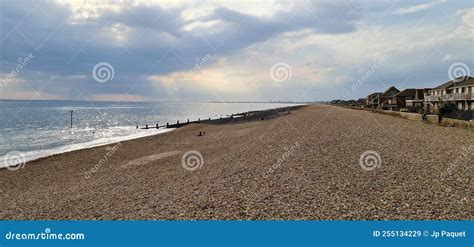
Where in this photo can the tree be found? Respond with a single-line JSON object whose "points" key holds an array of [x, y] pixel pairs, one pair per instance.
{"points": [[445, 108]]}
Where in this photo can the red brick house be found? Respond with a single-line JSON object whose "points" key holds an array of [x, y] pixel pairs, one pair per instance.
{"points": [[383, 100], [409, 98]]}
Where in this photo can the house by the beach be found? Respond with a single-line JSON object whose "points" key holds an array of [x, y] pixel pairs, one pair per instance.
{"points": [[385, 100], [410, 97], [372, 99], [459, 91]]}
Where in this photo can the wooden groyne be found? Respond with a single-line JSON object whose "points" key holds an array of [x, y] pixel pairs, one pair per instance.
{"points": [[233, 118]]}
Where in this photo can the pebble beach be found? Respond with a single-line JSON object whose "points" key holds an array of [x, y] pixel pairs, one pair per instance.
{"points": [[319, 162]]}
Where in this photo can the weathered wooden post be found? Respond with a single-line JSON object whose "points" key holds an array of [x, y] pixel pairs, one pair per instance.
{"points": [[71, 117], [188, 120], [146, 126]]}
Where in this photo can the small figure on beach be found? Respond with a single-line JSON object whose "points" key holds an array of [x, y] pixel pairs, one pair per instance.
{"points": [[424, 115]]}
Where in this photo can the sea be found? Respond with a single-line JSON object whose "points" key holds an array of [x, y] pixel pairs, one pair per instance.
{"points": [[33, 129]]}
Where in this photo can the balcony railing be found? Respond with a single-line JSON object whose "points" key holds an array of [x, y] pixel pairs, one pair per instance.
{"points": [[432, 98], [449, 97], [455, 96]]}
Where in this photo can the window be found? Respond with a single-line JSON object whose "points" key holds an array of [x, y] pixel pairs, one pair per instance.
{"points": [[460, 105]]}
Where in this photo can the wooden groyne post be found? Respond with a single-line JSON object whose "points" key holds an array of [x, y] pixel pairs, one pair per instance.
{"points": [[71, 117]]}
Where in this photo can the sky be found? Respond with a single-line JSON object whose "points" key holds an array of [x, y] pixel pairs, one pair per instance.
{"points": [[204, 51]]}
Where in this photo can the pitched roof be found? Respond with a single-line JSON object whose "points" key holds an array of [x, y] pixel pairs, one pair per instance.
{"points": [[386, 93], [444, 85], [373, 94], [458, 81], [468, 81], [407, 92], [412, 92]]}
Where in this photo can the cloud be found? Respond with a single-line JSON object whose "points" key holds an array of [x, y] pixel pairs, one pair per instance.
{"points": [[153, 46], [419, 7], [467, 17], [142, 39]]}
